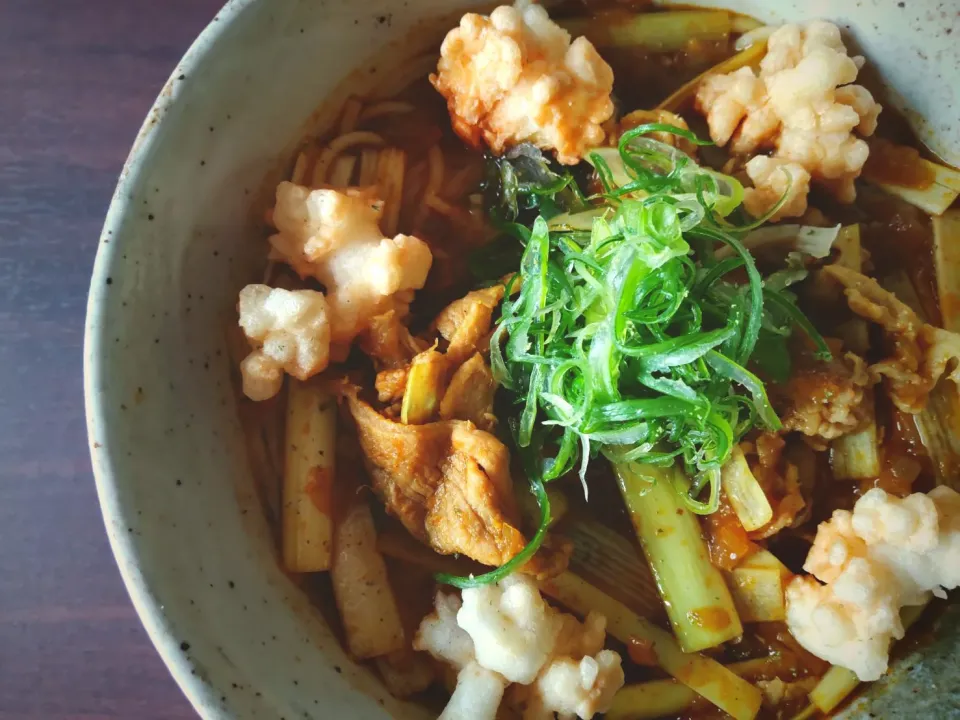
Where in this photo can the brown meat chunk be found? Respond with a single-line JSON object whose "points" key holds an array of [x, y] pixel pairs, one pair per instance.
{"points": [[466, 514], [780, 480], [826, 399], [390, 385], [469, 395], [389, 342], [466, 322], [921, 352], [448, 483]]}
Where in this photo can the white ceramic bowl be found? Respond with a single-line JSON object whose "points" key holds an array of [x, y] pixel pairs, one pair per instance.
{"points": [[183, 235]]}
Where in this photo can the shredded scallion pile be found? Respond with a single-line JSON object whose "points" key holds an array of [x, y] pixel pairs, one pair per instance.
{"points": [[624, 331]]}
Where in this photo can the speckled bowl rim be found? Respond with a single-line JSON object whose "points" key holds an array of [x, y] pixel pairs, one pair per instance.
{"points": [[116, 514], [148, 608]]}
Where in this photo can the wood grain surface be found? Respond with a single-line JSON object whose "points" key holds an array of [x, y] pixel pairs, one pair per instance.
{"points": [[77, 77]]}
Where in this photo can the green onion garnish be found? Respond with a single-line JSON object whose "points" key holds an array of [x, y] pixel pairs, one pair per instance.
{"points": [[628, 336]]}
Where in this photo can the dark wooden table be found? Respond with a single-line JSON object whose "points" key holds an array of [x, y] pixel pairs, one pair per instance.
{"points": [[77, 77]]}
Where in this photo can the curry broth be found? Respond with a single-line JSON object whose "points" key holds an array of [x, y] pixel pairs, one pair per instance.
{"points": [[897, 236]]}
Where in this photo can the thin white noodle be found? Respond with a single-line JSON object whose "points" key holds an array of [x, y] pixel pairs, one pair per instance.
{"points": [[299, 174], [391, 166], [339, 145], [385, 107], [319, 175], [412, 208], [368, 167], [459, 214], [268, 271], [351, 111], [342, 171], [436, 168], [461, 182], [443, 207]]}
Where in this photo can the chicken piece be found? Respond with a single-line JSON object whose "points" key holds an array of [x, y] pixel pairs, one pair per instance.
{"points": [[665, 117], [777, 693], [772, 178], [827, 399], [448, 483], [869, 300], [888, 553], [290, 332], [465, 323], [514, 630], [850, 622], [801, 104], [469, 396], [515, 77], [469, 511], [390, 385], [333, 236], [922, 352], [389, 342]]}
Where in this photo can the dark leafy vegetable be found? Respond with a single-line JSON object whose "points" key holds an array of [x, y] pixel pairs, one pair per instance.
{"points": [[524, 180]]}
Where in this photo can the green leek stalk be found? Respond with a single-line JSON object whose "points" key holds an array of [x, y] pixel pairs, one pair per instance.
{"points": [[669, 31], [669, 698], [696, 597], [838, 682], [703, 674], [856, 456]]}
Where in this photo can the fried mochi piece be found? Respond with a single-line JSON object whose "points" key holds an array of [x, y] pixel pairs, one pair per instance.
{"points": [[516, 77], [803, 107]]}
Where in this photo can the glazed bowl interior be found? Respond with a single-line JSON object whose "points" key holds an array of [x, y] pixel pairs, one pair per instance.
{"points": [[184, 234]]}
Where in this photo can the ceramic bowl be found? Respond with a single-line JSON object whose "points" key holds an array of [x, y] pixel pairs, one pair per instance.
{"points": [[183, 235]]}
